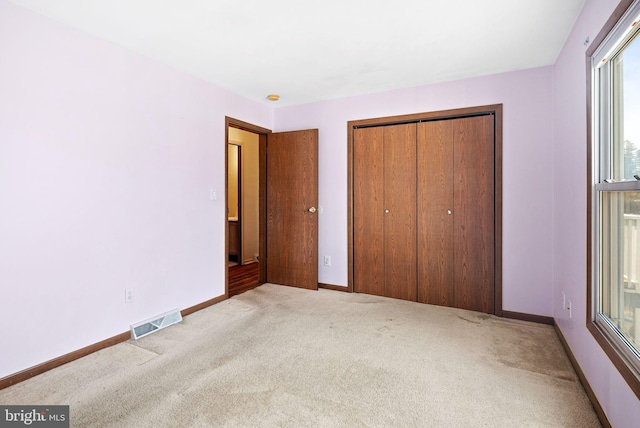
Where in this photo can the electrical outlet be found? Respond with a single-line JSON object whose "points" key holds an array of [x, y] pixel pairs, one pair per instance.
{"points": [[128, 295], [564, 300], [327, 260]]}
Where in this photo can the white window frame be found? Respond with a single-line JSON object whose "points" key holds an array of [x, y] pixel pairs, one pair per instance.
{"points": [[601, 142]]}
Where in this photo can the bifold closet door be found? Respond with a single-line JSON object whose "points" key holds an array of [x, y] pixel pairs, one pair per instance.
{"points": [[435, 213], [400, 198], [384, 211], [474, 216], [456, 219], [368, 211]]}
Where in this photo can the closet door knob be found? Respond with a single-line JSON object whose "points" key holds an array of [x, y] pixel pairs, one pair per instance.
{"points": [[312, 210], [386, 211], [449, 212]]}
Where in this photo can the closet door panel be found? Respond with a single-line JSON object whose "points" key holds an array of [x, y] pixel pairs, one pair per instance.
{"points": [[400, 211], [473, 234], [435, 223], [368, 211]]}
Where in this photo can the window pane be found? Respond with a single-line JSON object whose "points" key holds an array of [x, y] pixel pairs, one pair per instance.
{"points": [[626, 111], [620, 263]]}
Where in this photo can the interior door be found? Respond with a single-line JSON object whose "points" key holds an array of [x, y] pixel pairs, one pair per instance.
{"points": [[456, 221], [292, 204], [384, 211], [435, 213], [474, 216], [400, 211], [425, 203], [368, 211]]}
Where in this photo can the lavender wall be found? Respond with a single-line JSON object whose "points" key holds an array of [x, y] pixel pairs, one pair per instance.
{"points": [[107, 160], [106, 164], [527, 166], [569, 220]]}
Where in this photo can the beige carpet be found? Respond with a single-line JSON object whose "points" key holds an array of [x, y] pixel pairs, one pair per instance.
{"points": [[280, 356]]}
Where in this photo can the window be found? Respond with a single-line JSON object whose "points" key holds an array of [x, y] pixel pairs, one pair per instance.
{"points": [[615, 193]]}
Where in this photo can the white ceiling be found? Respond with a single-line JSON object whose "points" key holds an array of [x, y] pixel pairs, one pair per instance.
{"points": [[313, 50]]}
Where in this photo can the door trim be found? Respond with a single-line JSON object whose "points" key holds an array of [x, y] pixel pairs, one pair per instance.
{"points": [[496, 110], [262, 189]]}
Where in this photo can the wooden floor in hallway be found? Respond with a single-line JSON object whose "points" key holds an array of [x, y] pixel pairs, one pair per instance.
{"points": [[243, 278]]}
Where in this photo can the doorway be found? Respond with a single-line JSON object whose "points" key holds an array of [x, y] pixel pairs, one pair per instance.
{"points": [[245, 147], [287, 223], [243, 196]]}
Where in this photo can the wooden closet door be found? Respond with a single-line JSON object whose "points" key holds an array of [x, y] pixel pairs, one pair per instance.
{"points": [[400, 198], [384, 211], [473, 213], [435, 213], [368, 211]]}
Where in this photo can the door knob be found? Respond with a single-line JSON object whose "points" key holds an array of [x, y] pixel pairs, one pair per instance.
{"points": [[386, 211], [312, 209], [449, 212]]}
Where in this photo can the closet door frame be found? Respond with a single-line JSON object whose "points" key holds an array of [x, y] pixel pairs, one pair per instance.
{"points": [[496, 110]]}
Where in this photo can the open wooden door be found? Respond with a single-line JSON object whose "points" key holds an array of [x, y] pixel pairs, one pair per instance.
{"points": [[292, 208]]}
